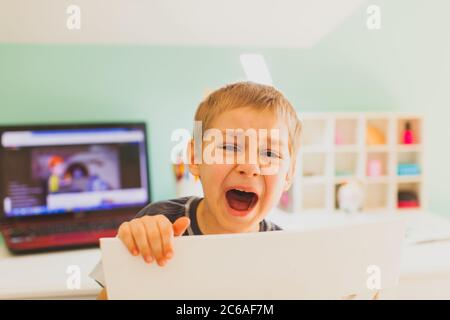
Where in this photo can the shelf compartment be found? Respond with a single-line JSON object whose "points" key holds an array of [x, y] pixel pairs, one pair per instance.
{"points": [[415, 125], [377, 132], [376, 196], [377, 164], [408, 195], [408, 164], [314, 132], [314, 164], [346, 132], [313, 196], [337, 187], [346, 164]]}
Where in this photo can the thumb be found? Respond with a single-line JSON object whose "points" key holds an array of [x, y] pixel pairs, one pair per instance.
{"points": [[180, 226]]}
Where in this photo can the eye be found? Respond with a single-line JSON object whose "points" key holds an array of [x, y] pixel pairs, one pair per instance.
{"points": [[271, 154], [230, 147]]}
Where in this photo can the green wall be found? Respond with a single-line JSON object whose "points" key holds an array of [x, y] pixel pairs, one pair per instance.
{"points": [[405, 66]]}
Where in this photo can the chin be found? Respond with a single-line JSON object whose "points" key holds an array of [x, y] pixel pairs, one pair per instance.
{"points": [[241, 223]]}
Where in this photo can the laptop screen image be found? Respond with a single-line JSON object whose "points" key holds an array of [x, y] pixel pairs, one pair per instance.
{"points": [[61, 169]]}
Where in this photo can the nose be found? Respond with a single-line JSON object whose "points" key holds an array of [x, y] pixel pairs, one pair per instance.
{"points": [[249, 170]]}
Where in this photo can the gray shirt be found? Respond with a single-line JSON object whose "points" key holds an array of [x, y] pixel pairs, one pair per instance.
{"points": [[174, 209]]}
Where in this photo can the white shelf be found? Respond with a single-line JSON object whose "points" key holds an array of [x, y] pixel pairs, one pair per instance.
{"points": [[379, 148], [347, 148], [409, 210], [313, 149], [409, 148], [314, 180], [342, 179], [380, 179], [369, 147], [409, 179]]}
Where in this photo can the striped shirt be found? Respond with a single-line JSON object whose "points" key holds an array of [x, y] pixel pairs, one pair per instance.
{"points": [[187, 206], [172, 210]]}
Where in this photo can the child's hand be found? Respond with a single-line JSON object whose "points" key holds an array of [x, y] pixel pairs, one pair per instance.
{"points": [[152, 236]]}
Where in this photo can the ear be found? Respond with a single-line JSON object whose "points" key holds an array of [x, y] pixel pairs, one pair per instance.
{"points": [[290, 176], [193, 167]]}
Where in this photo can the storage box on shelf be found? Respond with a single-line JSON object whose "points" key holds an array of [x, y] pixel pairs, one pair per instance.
{"points": [[382, 151]]}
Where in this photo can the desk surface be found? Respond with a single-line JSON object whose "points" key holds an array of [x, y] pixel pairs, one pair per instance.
{"points": [[46, 275], [425, 268]]}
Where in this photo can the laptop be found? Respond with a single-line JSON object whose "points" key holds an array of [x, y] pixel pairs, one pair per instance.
{"points": [[359, 260], [66, 186]]}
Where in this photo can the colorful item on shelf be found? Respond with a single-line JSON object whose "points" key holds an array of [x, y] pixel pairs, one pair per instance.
{"points": [[285, 199], [338, 139], [374, 168], [350, 196], [408, 169], [374, 136], [408, 136], [407, 199], [179, 170]]}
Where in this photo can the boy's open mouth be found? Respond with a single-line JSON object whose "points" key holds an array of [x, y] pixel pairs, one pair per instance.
{"points": [[241, 200]]}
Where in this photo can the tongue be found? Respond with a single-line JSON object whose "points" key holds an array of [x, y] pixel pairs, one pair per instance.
{"points": [[239, 200]]}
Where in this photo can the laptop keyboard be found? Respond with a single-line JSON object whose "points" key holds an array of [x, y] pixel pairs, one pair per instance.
{"points": [[72, 227]]}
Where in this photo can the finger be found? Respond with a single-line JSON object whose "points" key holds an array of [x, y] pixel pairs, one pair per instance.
{"points": [[154, 239], [166, 232], [180, 226], [124, 234], [140, 237]]}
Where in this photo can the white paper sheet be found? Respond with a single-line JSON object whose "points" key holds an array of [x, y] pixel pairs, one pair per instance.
{"points": [[329, 263]]}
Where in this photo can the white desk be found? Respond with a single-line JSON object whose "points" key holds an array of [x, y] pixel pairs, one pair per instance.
{"points": [[425, 269], [425, 272], [44, 275]]}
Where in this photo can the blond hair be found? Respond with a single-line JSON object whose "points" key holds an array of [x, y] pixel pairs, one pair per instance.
{"points": [[254, 95]]}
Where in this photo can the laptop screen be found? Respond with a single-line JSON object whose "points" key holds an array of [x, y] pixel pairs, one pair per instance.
{"points": [[56, 170]]}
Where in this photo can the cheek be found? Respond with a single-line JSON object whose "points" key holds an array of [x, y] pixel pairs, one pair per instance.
{"points": [[275, 183], [274, 187], [212, 177]]}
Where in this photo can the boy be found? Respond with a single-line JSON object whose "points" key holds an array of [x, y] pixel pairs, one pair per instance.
{"points": [[243, 175]]}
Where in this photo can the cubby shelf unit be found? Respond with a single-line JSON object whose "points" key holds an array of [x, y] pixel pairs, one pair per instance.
{"points": [[366, 147]]}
